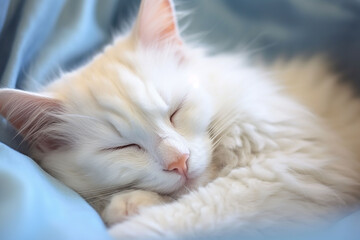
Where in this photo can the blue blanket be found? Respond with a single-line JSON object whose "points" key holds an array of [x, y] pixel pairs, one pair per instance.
{"points": [[33, 205], [38, 38]]}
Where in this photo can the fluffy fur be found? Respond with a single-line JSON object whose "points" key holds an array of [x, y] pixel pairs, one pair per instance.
{"points": [[265, 149]]}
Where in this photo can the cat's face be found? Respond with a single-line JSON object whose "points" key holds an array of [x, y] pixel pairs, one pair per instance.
{"points": [[136, 115], [129, 119]]}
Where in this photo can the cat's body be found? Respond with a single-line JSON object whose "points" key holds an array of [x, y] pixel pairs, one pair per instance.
{"points": [[271, 170], [213, 142]]}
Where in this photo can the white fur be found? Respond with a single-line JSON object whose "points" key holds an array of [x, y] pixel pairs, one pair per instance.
{"points": [[278, 164], [266, 150]]}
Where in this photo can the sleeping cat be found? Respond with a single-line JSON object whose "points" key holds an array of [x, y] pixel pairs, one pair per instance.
{"points": [[166, 141]]}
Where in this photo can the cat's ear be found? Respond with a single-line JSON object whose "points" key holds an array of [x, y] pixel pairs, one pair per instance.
{"points": [[156, 23], [32, 115]]}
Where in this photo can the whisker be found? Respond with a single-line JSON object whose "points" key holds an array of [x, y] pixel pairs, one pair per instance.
{"points": [[99, 189], [219, 126], [221, 121], [187, 189], [101, 197]]}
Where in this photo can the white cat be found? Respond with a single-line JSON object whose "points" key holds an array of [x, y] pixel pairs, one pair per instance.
{"points": [[177, 143]]}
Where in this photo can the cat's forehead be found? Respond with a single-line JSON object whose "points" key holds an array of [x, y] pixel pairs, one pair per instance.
{"points": [[147, 84], [132, 86]]}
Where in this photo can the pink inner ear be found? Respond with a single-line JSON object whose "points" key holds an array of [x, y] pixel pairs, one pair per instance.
{"points": [[157, 23], [20, 107], [31, 114]]}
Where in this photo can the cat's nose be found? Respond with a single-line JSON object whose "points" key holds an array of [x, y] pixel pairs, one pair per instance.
{"points": [[180, 165]]}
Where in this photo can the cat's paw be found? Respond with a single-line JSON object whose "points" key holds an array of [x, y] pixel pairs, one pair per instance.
{"points": [[124, 205], [136, 230]]}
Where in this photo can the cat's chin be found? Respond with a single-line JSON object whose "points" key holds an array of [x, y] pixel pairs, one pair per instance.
{"points": [[184, 189], [186, 185], [182, 183]]}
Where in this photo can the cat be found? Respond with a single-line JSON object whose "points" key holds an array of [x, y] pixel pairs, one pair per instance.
{"points": [[165, 140]]}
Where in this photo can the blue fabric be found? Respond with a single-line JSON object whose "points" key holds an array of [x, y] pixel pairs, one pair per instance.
{"points": [[40, 37], [282, 28], [33, 205]]}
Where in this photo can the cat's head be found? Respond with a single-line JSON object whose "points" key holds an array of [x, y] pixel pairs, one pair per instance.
{"points": [[136, 115]]}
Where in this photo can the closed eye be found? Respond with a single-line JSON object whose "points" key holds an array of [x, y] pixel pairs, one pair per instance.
{"points": [[122, 147], [177, 110], [173, 115]]}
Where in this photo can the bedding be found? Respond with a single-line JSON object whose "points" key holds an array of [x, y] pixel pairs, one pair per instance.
{"points": [[41, 38], [34, 205]]}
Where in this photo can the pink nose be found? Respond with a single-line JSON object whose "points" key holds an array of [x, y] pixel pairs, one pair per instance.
{"points": [[179, 165]]}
